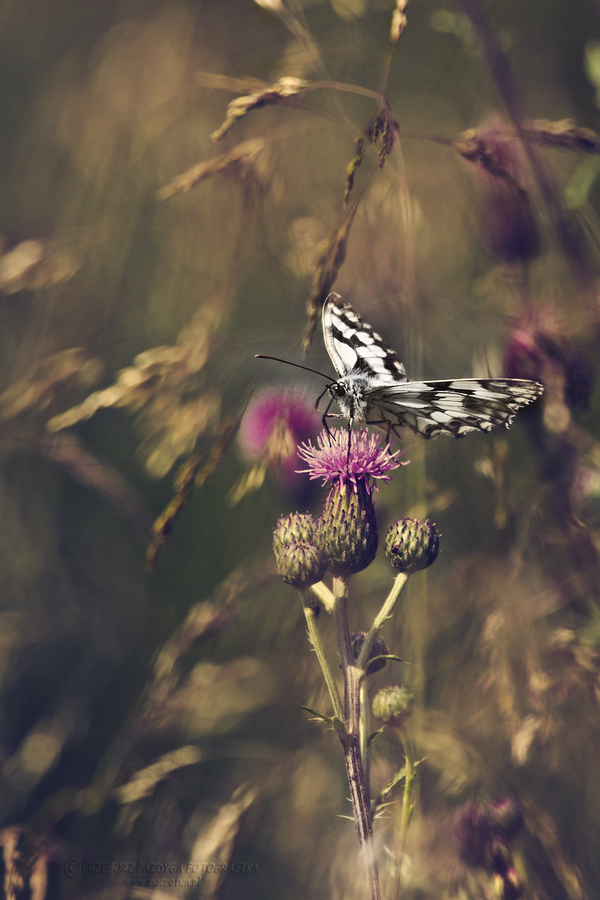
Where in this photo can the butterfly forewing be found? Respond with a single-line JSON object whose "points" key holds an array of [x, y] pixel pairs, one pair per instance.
{"points": [[353, 346], [372, 387]]}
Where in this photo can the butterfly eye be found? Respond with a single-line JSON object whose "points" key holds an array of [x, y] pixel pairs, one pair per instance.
{"points": [[337, 390]]}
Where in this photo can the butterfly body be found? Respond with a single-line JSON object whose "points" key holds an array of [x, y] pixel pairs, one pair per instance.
{"points": [[372, 387]]}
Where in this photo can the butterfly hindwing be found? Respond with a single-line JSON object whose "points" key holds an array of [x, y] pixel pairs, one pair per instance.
{"points": [[372, 387]]}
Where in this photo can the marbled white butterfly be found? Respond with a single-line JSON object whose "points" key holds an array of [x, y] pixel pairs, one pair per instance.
{"points": [[373, 389]]}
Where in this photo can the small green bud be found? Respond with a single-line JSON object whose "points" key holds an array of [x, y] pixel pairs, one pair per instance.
{"points": [[300, 561], [378, 649], [393, 704], [348, 529], [412, 545]]}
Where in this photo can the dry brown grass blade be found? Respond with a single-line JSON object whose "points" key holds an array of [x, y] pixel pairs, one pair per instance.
{"points": [[35, 264], [280, 93], [145, 780], [163, 526], [190, 473], [47, 380], [476, 148], [383, 126], [564, 135], [331, 253], [561, 135], [242, 164]]}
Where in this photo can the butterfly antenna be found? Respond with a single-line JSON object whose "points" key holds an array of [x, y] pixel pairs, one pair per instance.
{"points": [[296, 365]]}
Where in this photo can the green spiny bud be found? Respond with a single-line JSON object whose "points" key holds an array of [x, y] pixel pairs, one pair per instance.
{"points": [[378, 649], [347, 528], [393, 704], [412, 545], [300, 561]]}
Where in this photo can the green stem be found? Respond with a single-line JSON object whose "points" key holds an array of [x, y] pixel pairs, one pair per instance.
{"points": [[351, 741], [365, 730], [324, 595], [383, 614], [407, 805], [315, 638]]}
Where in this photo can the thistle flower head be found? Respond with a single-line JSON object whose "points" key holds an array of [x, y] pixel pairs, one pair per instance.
{"points": [[274, 423], [393, 704], [300, 560], [412, 545], [379, 648], [509, 222], [331, 461], [538, 349]]}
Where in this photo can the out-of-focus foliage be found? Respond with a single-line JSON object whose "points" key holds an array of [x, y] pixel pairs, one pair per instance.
{"points": [[151, 725]]}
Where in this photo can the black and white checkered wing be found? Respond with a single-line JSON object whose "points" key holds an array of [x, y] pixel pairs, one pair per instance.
{"points": [[372, 387], [353, 346], [455, 407]]}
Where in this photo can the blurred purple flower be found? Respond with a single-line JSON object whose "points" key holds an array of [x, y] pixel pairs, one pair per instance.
{"points": [[536, 350], [330, 460], [509, 224], [274, 424]]}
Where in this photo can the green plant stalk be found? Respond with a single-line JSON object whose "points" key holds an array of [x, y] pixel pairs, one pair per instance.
{"points": [[317, 643], [365, 731], [323, 595], [351, 740], [409, 778], [383, 614]]}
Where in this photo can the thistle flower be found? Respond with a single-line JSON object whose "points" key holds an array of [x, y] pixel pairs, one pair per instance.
{"points": [[331, 461], [273, 425], [393, 704], [412, 545], [347, 528], [378, 649], [483, 832], [509, 223], [300, 561], [537, 350]]}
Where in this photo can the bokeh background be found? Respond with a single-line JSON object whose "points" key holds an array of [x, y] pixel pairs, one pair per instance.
{"points": [[153, 718]]}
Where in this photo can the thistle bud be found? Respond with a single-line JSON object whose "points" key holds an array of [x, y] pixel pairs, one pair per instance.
{"points": [[378, 649], [412, 545], [509, 223], [505, 817], [393, 704], [347, 528], [300, 561]]}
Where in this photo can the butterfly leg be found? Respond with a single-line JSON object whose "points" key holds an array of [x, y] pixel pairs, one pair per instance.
{"points": [[386, 426]]}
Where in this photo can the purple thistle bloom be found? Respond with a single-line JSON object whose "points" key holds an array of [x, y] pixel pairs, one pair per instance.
{"points": [[273, 424], [331, 461]]}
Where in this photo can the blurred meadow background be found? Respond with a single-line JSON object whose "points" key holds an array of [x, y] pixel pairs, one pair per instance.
{"points": [[152, 677]]}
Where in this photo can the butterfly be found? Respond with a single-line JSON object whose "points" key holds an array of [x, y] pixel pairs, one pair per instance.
{"points": [[372, 387]]}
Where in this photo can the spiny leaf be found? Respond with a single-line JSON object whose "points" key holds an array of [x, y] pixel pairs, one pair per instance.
{"points": [[330, 720]]}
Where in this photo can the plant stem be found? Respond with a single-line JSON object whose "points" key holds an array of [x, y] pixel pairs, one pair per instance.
{"points": [[409, 778], [383, 614], [324, 595], [351, 741], [315, 639]]}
